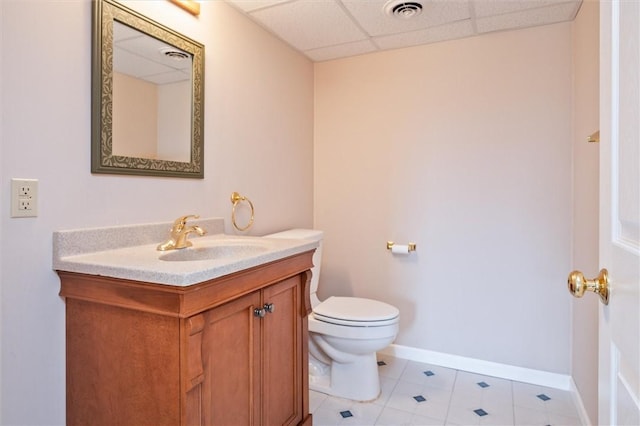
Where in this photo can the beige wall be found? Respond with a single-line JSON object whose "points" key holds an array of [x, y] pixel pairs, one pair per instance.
{"points": [[463, 147], [584, 365], [174, 121], [151, 120], [135, 117], [258, 140]]}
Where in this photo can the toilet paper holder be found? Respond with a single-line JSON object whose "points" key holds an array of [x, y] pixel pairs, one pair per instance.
{"points": [[411, 246]]}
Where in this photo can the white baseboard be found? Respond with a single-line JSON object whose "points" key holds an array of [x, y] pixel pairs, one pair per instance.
{"points": [[487, 368]]}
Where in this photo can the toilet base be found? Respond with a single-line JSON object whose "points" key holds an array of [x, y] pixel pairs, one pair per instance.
{"points": [[357, 380]]}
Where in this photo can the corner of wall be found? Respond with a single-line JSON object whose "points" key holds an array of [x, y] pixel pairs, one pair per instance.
{"points": [[1, 177], [585, 201]]}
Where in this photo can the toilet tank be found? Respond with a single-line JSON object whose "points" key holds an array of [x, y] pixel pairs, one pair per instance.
{"points": [[307, 234]]}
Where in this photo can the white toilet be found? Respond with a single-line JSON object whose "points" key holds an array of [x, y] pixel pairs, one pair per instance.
{"points": [[344, 335]]}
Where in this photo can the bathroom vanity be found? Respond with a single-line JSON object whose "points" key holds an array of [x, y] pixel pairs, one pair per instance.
{"points": [[210, 337]]}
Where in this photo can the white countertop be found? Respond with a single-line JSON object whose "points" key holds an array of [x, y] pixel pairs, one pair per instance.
{"points": [[126, 252]]}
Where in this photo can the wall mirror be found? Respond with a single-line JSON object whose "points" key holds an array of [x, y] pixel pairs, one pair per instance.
{"points": [[147, 96]]}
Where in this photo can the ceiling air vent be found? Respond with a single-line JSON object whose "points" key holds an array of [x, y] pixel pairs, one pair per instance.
{"points": [[403, 9], [175, 54]]}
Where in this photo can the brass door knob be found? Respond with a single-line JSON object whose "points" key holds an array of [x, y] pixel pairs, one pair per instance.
{"points": [[578, 284]]}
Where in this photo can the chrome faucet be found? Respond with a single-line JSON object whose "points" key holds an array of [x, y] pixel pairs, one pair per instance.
{"points": [[179, 233]]}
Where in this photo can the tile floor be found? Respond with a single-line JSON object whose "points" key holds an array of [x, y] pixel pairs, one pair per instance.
{"points": [[414, 393]]}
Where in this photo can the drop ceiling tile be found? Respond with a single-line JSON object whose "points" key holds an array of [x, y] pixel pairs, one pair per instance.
{"points": [[310, 24], [136, 65], [529, 18], [460, 29], [486, 8], [329, 29], [250, 5], [148, 48], [123, 32], [371, 15], [341, 51], [128, 63]]}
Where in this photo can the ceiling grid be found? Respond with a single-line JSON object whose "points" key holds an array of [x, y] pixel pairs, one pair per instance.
{"points": [[332, 29]]}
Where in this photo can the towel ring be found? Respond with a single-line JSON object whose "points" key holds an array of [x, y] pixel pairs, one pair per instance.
{"points": [[235, 199]]}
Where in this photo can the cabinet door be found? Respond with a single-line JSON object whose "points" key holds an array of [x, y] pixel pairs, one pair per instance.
{"points": [[122, 366], [282, 351], [231, 363]]}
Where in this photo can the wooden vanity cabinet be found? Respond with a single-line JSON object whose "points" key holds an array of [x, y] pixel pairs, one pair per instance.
{"points": [[206, 354]]}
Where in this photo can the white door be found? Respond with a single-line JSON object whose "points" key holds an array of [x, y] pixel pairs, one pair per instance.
{"points": [[619, 365]]}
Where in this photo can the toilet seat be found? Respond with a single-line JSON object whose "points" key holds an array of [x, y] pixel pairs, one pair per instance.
{"points": [[356, 312]]}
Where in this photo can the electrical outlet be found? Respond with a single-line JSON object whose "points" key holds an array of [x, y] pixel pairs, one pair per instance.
{"points": [[25, 205], [24, 190], [24, 197]]}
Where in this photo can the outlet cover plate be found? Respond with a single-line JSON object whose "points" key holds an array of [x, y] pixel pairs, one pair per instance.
{"points": [[24, 197]]}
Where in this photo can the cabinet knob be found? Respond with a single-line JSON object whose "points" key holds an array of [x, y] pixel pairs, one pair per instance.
{"points": [[259, 312], [269, 307]]}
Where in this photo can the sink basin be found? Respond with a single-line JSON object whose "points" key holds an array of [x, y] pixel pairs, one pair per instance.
{"points": [[219, 250]]}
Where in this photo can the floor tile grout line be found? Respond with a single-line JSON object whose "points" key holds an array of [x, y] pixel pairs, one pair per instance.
{"points": [[396, 381], [453, 387], [404, 369]]}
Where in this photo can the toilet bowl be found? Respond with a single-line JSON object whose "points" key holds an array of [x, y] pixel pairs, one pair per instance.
{"points": [[344, 335]]}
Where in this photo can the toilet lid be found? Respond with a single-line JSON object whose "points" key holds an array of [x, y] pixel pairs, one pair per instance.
{"points": [[356, 311]]}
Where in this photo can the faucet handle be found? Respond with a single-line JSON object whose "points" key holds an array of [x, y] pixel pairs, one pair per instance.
{"points": [[183, 219], [180, 222]]}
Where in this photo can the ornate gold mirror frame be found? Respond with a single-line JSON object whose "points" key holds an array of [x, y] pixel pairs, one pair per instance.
{"points": [[103, 159]]}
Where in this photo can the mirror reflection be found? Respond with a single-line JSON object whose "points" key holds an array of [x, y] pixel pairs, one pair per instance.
{"points": [[151, 97], [148, 96]]}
